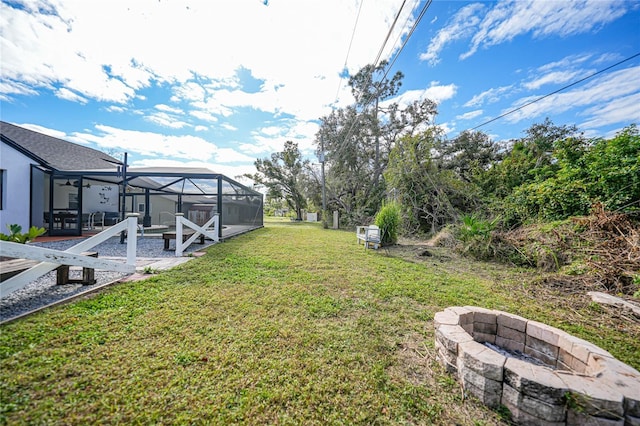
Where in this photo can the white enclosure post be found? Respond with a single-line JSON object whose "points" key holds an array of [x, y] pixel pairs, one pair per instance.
{"points": [[132, 239], [336, 224], [203, 231], [179, 217]]}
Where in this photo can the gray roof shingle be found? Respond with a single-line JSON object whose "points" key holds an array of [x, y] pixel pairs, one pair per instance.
{"points": [[54, 153]]}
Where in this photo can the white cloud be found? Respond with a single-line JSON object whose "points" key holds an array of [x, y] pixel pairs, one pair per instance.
{"points": [[435, 92], [615, 90], [115, 108], [8, 88], [166, 120], [557, 77], [470, 115], [228, 126], [68, 95], [148, 42], [508, 19], [559, 72], [229, 155], [568, 62], [461, 26], [488, 96], [263, 146], [204, 116], [623, 110], [271, 130], [271, 138], [167, 108], [512, 18], [189, 91], [151, 144]]}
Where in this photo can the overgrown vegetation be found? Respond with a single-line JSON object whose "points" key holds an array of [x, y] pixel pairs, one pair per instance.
{"points": [[500, 198], [268, 328], [377, 150]]}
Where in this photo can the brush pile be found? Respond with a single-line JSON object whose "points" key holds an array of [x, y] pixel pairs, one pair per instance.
{"points": [[598, 252], [611, 249]]}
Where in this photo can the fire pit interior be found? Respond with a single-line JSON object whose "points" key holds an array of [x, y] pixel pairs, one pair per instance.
{"points": [[544, 376]]}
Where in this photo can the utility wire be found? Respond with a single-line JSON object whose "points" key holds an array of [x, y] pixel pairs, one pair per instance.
{"points": [[346, 59], [415, 25], [389, 33], [554, 92], [377, 92], [384, 44]]}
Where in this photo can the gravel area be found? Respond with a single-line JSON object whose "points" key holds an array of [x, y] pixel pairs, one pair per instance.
{"points": [[44, 291]]}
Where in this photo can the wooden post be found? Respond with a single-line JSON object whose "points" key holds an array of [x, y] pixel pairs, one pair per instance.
{"points": [[88, 273]]}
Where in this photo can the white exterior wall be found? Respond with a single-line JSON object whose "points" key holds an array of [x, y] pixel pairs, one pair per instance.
{"points": [[15, 203]]}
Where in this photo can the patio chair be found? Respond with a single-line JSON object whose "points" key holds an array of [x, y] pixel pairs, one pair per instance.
{"points": [[98, 219]]}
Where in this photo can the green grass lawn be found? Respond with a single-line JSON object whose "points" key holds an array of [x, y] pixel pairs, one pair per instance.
{"points": [[289, 324]]}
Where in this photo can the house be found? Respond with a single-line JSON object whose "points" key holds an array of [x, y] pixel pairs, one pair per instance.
{"points": [[42, 174], [67, 188]]}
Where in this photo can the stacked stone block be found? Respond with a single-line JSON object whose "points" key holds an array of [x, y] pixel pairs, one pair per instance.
{"points": [[574, 382]]}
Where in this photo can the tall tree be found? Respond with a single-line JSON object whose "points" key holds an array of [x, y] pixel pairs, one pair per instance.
{"points": [[283, 176], [431, 195], [530, 159], [357, 141], [469, 154]]}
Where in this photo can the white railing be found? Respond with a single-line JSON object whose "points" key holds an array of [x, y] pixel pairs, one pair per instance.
{"points": [[205, 230], [51, 259]]}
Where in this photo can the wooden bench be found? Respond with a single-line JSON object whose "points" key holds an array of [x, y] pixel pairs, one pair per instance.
{"points": [[168, 236], [369, 235], [10, 268], [88, 274]]}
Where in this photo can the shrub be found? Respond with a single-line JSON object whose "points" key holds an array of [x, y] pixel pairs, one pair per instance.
{"points": [[476, 236], [16, 236], [388, 220]]}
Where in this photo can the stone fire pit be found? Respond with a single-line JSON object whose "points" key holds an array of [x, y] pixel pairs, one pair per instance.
{"points": [[543, 375]]}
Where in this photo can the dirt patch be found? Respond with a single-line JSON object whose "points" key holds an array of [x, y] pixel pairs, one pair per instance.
{"points": [[423, 252], [415, 360]]}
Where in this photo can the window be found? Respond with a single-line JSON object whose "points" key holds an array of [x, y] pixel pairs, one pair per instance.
{"points": [[140, 207]]}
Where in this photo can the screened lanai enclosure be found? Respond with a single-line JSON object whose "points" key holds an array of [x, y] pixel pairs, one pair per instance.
{"points": [[76, 202]]}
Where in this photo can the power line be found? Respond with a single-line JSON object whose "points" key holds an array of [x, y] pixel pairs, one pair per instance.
{"points": [[346, 59], [390, 65], [384, 43], [377, 92], [554, 92], [406, 40]]}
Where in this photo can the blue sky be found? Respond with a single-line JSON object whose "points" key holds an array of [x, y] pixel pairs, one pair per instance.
{"points": [[218, 84]]}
